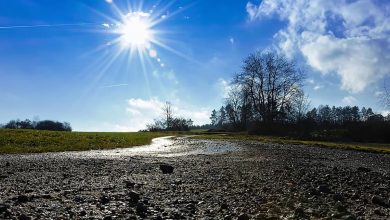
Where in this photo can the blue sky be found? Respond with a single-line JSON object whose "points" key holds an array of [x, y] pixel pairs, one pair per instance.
{"points": [[63, 67]]}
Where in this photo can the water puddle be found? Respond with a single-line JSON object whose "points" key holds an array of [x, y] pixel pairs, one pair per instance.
{"points": [[160, 147]]}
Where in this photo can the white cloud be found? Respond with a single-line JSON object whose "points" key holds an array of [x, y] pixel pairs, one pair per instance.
{"points": [[385, 113], [349, 38], [317, 87], [349, 100]]}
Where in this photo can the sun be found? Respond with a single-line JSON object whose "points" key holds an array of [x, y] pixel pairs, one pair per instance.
{"points": [[140, 34], [135, 31]]}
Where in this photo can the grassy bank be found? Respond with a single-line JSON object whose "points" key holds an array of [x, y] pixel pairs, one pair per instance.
{"points": [[34, 141], [368, 147]]}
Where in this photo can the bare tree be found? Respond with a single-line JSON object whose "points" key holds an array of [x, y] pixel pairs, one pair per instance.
{"points": [[385, 98], [168, 114], [272, 82], [301, 105]]}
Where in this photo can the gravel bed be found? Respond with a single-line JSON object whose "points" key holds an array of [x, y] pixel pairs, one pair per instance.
{"points": [[258, 181]]}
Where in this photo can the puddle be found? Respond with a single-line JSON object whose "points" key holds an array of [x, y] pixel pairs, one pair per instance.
{"points": [[163, 147], [160, 147]]}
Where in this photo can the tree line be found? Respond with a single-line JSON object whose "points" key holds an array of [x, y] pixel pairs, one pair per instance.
{"points": [[169, 122], [267, 97], [38, 125]]}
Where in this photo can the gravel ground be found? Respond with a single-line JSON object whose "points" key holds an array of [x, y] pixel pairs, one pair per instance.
{"points": [[216, 180]]}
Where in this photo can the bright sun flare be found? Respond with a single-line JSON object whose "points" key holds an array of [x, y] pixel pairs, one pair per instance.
{"points": [[135, 31]]}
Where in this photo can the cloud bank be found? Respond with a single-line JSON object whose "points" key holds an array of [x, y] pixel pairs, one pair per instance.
{"points": [[348, 38]]}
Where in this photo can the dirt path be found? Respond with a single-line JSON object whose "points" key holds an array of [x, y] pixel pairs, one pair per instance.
{"points": [[210, 180]]}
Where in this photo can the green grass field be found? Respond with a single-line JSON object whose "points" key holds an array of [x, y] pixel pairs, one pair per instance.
{"points": [[34, 141], [368, 147]]}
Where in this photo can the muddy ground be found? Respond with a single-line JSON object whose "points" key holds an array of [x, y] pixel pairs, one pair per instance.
{"points": [[209, 180]]}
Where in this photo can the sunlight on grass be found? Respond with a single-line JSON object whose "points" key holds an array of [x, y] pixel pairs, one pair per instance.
{"points": [[34, 141]]}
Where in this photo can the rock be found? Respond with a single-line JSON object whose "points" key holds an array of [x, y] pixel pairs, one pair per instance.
{"points": [[227, 217], [46, 196], [107, 217], [141, 209], [22, 199], [323, 188], [7, 164], [104, 199], [3, 176], [83, 213], [24, 217], [129, 184], [364, 169], [3, 208], [350, 217], [299, 212], [165, 168], [224, 206], [134, 196], [341, 208], [243, 217], [379, 201], [338, 197], [378, 212], [191, 207]]}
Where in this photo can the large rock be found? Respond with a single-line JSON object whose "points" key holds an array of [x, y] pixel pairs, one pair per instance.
{"points": [[323, 188], [134, 196], [22, 199], [243, 217], [165, 168], [379, 201]]}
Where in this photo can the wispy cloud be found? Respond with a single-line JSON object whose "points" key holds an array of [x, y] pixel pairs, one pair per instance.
{"points": [[44, 25], [115, 85], [231, 40], [317, 87]]}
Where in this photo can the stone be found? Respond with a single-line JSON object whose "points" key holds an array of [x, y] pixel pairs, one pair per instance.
{"points": [[22, 199], [166, 169], [134, 196], [224, 206], [24, 217], [379, 201], [141, 209], [107, 217], [3, 176], [243, 217], [338, 197], [83, 213], [7, 164], [299, 212], [227, 217], [129, 184], [104, 199], [323, 188], [363, 169]]}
